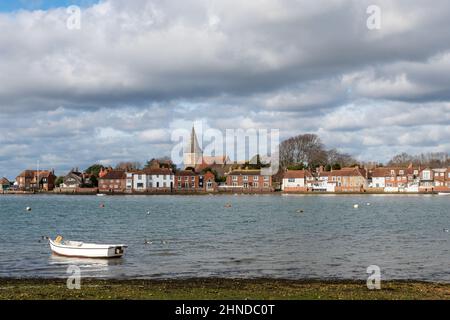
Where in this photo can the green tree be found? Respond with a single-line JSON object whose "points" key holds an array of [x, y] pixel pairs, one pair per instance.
{"points": [[59, 181], [94, 169]]}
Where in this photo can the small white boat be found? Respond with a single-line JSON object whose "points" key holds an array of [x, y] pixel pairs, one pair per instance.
{"points": [[101, 194], [86, 250], [444, 193]]}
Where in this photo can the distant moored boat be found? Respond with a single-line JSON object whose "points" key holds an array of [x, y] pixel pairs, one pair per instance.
{"points": [[444, 193]]}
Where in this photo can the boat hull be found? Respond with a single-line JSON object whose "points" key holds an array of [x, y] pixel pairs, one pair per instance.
{"points": [[88, 251]]}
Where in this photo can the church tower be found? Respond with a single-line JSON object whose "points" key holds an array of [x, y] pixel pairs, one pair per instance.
{"points": [[193, 155]]}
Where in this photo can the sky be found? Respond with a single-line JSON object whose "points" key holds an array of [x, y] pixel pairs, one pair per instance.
{"points": [[116, 88]]}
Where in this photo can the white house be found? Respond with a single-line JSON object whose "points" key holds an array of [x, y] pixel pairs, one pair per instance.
{"points": [[295, 180], [150, 180]]}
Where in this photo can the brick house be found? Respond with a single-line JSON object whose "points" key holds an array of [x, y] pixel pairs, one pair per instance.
{"points": [[43, 180], [191, 181], [188, 181], [347, 180], [113, 181], [243, 180]]}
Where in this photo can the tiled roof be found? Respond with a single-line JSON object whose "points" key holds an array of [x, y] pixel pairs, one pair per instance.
{"points": [[347, 172], [34, 173], [245, 173], [115, 175], [4, 181], [186, 173], [296, 174], [161, 171]]}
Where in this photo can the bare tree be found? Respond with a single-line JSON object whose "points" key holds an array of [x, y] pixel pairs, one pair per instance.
{"points": [[305, 149], [128, 165]]}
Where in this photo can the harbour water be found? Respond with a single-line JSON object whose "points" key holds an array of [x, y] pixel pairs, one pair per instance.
{"points": [[258, 236]]}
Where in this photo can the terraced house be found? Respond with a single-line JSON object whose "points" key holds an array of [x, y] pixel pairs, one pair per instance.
{"points": [[112, 181], [36, 180], [243, 180], [150, 180]]}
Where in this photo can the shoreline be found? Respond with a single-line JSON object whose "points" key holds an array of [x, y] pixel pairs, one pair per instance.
{"points": [[277, 193], [220, 289]]}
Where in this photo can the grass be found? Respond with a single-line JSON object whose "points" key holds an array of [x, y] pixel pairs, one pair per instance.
{"points": [[216, 289]]}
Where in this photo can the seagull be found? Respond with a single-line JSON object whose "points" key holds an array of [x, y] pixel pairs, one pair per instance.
{"points": [[446, 230], [299, 211], [28, 208], [147, 242], [356, 206], [148, 212]]}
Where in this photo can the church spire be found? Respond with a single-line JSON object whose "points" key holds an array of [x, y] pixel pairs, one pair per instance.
{"points": [[194, 146]]}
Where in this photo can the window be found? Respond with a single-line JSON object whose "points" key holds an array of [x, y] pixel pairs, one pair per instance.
{"points": [[150, 185], [192, 185], [392, 172], [234, 184], [192, 178], [140, 185], [165, 177], [402, 172], [245, 178], [266, 178], [291, 180], [139, 177], [245, 185], [234, 178], [255, 184], [164, 184], [179, 178], [179, 185]]}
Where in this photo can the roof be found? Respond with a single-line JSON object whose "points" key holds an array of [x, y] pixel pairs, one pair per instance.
{"points": [[186, 173], [245, 173], [115, 175], [296, 174], [161, 171], [215, 160], [346, 172], [387, 171], [4, 181], [35, 173]]}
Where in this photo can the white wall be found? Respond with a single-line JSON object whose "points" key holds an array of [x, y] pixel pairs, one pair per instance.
{"points": [[163, 180], [298, 183], [139, 179], [381, 181]]}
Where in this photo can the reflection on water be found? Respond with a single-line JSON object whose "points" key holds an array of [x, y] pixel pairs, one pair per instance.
{"points": [[258, 236]]}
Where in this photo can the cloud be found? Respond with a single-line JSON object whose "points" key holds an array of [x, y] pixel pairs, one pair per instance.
{"points": [[114, 89]]}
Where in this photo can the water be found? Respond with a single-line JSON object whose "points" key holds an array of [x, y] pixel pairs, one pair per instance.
{"points": [[259, 236]]}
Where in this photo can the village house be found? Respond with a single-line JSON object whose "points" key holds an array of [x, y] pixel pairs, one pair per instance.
{"points": [[75, 180], [426, 180], [346, 180], [395, 179], [191, 181], [295, 180], [188, 181], [151, 179], [4, 184], [34, 180], [113, 181], [245, 180]]}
